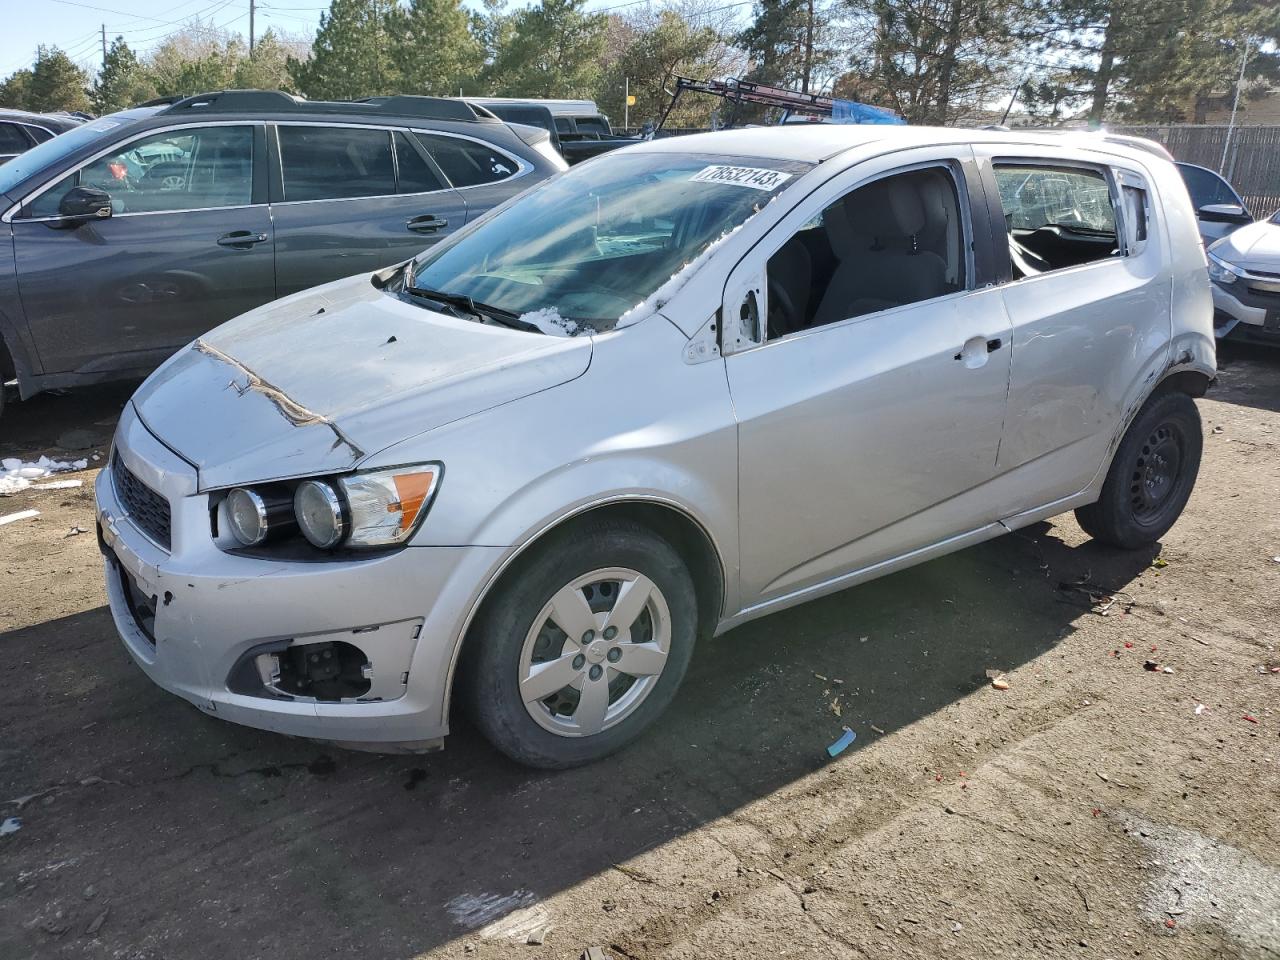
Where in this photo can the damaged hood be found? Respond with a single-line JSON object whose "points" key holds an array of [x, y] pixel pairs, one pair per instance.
{"points": [[319, 381], [1254, 248]]}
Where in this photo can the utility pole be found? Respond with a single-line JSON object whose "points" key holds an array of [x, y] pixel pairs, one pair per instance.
{"points": [[252, 5], [1231, 126], [626, 103], [104, 46]]}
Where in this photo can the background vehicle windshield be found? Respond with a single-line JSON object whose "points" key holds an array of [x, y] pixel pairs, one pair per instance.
{"points": [[51, 151], [598, 240]]}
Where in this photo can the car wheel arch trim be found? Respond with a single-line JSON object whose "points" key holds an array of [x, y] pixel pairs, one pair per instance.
{"points": [[538, 535]]}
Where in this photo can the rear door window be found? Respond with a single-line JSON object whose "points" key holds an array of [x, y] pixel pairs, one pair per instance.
{"points": [[468, 163], [1056, 216], [335, 163], [416, 175], [12, 139]]}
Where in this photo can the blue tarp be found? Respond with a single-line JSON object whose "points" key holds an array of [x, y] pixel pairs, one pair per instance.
{"points": [[849, 111]]}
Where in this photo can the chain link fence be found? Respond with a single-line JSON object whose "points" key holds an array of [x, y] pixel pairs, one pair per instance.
{"points": [[1252, 159]]}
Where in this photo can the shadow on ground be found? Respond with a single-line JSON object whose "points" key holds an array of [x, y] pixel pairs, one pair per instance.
{"points": [[196, 830], [1248, 375]]}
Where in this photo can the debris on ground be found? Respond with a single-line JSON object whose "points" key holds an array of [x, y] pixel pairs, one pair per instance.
{"points": [[17, 474], [1159, 563], [876, 729], [74, 532], [10, 825], [595, 953], [96, 923], [1251, 718], [1199, 709], [20, 515], [842, 744], [835, 707]]}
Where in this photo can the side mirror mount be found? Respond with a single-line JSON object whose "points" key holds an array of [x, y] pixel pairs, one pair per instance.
{"points": [[1224, 213], [82, 204]]}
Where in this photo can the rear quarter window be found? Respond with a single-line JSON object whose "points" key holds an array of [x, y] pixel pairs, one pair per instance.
{"points": [[468, 163]]}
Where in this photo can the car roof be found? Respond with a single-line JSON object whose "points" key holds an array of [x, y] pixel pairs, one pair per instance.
{"points": [[40, 119], [558, 108], [816, 142]]}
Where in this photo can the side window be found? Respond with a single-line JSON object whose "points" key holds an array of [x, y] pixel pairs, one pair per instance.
{"points": [[1205, 186], [39, 134], [894, 241], [1056, 216], [335, 163], [1136, 214], [467, 163], [188, 169], [414, 173], [592, 125], [564, 125], [12, 139]]}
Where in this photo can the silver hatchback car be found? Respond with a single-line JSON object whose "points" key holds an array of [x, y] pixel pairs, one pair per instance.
{"points": [[676, 388]]}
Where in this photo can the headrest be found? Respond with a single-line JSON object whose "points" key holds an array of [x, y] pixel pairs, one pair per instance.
{"points": [[889, 208]]}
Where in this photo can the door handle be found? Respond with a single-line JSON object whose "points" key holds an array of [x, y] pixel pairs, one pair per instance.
{"points": [[427, 223], [241, 239], [974, 352]]}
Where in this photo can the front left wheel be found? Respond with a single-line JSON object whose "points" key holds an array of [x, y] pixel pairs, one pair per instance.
{"points": [[582, 645]]}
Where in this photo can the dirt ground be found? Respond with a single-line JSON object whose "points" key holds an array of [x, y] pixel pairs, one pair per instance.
{"points": [[1091, 810]]}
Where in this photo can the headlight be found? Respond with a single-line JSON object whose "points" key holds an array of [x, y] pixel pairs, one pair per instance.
{"points": [[320, 515], [255, 515], [386, 506], [1223, 272]]}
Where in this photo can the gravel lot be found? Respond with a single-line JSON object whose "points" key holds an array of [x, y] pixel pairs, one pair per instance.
{"points": [[1090, 810]]}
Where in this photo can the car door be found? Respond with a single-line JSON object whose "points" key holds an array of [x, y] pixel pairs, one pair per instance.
{"points": [[1089, 300], [188, 246], [351, 199], [1226, 211], [870, 415]]}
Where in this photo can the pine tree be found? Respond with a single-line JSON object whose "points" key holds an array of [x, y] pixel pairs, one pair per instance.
{"points": [[433, 49], [122, 82], [15, 92], [57, 83], [351, 55], [554, 51], [786, 44]]}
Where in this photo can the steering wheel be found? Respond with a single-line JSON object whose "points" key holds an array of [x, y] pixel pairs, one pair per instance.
{"points": [[166, 177], [783, 317]]}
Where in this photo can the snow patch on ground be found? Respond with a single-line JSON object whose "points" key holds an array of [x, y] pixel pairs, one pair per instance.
{"points": [[549, 321], [473, 910], [17, 474]]}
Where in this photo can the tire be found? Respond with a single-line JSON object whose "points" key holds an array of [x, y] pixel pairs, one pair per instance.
{"points": [[581, 577], [1151, 476]]}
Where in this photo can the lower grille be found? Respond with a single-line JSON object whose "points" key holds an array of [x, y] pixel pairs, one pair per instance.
{"points": [[146, 508]]}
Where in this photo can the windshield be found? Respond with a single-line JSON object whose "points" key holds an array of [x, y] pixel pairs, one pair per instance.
{"points": [[64, 144], [595, 242]]}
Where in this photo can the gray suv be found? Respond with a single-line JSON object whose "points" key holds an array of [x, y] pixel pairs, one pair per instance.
{"points": [[133, 234]]}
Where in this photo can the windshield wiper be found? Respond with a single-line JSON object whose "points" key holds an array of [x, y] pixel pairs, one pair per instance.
{"points": [[461, 303]]}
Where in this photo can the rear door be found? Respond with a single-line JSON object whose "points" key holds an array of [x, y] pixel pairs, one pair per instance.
{"points": [[188, 246], [350, 199], [1089, 300]]}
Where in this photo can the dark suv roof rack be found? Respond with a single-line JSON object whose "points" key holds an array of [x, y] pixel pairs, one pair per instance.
{"points": [[277, 101]]}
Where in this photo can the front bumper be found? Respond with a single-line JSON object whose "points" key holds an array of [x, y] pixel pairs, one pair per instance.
{"points": [[206, 613], [1241, 309]]}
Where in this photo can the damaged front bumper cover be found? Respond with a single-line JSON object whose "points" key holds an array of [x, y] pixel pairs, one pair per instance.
{"points": [[215, 628]]}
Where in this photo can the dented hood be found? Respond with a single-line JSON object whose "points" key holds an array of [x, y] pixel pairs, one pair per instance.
{"points": [[319, 381]]}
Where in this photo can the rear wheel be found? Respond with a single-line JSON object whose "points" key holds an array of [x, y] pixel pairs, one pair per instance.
{"points": [[1151, 476], [582, 646]]}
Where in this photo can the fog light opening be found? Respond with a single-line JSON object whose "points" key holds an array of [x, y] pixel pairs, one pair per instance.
{"points": [[324, 671]]}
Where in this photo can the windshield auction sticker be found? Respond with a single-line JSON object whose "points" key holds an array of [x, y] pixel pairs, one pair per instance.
{"points": [[754, 177]]}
